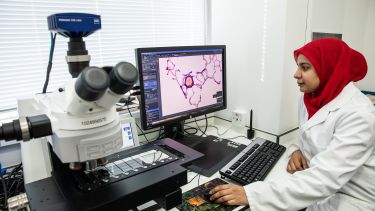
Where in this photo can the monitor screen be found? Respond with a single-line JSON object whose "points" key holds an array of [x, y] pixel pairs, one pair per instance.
{"points": [[180, 82]]}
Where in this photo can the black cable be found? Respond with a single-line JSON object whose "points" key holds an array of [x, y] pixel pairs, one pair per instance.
{"points": [[12, 184], [193, 178], [187, 122], [187, 134], [203, 132], [143, 133], [175, 134], [162, 135], [198, 174], [191, 128], [159, 136], [205, 129], [4, 189], [49, 67]]}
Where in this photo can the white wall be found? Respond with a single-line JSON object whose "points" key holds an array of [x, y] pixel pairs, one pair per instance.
{"points": [[355, 20], [296, 35], [244, 27], [368, 83], [279, 26], [255, 34]]}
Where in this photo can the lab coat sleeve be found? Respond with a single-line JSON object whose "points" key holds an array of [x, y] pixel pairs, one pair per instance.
{"points": [[302, 113], [292, 148], [351, 146]]}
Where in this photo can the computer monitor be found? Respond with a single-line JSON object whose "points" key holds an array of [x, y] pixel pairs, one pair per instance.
{"points": [[178, 83]]}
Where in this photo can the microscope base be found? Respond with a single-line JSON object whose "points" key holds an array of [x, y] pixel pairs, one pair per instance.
{"points": [[161, 184]]}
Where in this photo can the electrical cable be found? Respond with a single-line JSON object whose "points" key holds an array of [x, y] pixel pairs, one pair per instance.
{"points": [[159, 136], [203, 132], [49, 67], [205, 129], [198, 174], [217, 129], [5, 190], [193, 178], [191, 128], [12, 184]]}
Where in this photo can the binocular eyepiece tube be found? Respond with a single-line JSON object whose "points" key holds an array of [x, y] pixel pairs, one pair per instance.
{"points": [[104, 86]]}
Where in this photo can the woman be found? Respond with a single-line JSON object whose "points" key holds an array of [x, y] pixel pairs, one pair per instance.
{"points": [[333, 166]]}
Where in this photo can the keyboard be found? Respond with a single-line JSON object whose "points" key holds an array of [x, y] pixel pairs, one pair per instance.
{"points": [[254, 162]]}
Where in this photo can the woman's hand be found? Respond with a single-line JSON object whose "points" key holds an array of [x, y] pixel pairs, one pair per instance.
{"points": [[229, 194], [297, 162]]}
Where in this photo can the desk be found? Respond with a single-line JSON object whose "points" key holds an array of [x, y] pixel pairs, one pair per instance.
{"points": [[278, 171]]}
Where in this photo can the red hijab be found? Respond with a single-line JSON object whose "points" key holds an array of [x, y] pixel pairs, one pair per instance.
{"points": [[336, 65]]}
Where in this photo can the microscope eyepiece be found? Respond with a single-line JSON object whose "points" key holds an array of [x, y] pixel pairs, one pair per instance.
{"points": [[26, 128], [11, 131], [122, 77], [92, 83]]}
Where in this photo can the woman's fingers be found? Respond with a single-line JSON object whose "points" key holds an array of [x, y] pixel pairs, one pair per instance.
{"points": [[224, 198], [229, 194], [219, 188], [289, 168], [304, 163], [297, 162], [293, 166]]}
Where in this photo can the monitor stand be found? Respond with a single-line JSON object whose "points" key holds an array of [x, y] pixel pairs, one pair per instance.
{"points": [[218, 152]]}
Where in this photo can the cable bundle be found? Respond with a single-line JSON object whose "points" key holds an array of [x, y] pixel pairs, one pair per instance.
{"points": [[12, 184]]}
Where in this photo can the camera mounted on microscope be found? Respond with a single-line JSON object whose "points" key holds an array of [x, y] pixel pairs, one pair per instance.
{"points": [[92, 82], [75, 26]]}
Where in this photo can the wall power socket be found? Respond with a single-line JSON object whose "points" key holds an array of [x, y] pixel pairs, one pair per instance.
{"points": [[239, 118]]}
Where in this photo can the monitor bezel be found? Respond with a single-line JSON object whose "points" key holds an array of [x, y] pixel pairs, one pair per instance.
{"points": [[172, 120]]}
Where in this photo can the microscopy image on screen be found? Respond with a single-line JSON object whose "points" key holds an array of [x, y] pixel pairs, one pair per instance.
{"points": [[197, 78]]}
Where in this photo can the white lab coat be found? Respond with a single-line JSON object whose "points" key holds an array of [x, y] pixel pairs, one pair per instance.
{"points": [[338, 143]]}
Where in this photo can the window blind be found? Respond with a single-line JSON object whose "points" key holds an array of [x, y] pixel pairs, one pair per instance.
{"points": [[126, 25]]}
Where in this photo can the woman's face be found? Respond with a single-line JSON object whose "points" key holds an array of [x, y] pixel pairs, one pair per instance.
{"points": [[307, 78]]}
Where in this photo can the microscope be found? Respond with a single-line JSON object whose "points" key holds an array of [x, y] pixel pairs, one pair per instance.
{"points": [[72, 138]]}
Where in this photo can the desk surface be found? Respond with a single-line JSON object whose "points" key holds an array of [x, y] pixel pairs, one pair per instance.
{"points": [[279, 170]]}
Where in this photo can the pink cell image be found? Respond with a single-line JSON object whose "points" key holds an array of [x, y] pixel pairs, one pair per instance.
{"points": [[189, 82]]}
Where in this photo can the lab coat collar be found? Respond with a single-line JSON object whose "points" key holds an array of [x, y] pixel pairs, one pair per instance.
{"points": [[335, 104]]}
